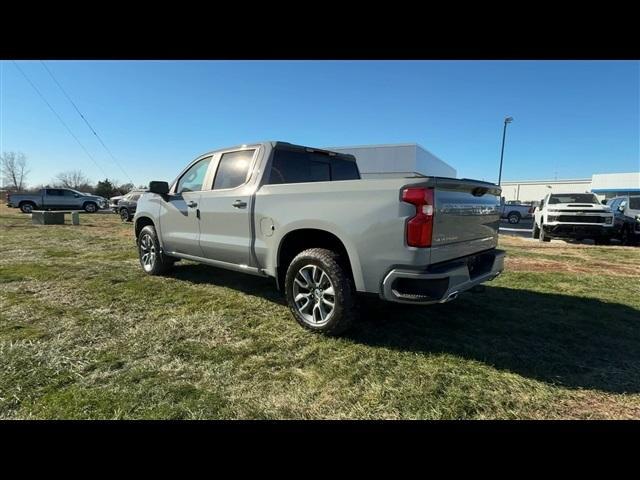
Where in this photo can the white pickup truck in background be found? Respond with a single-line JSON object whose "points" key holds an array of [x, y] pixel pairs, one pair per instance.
{"points": [[573, 215]]}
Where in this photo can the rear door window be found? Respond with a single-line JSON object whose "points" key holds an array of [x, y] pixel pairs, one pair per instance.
{"points": [[233, 169], [298, 166]]}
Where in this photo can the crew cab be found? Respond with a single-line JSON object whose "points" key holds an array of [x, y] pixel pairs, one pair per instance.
{"points": [[572, 215], [56, 199], [304, 217], [626, 218]]}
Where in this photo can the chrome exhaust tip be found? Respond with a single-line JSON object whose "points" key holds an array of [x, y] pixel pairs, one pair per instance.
{"points": [[452, 296]]}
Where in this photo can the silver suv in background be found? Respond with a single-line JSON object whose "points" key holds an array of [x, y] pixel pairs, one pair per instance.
{"points": [[304, 217]]}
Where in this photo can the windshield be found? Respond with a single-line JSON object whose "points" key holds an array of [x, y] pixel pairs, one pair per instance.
{"points": [[573, 198], [634, 203]]}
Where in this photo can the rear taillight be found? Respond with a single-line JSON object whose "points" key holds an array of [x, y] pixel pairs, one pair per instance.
{"points": [[532, 209], [420, 226]]}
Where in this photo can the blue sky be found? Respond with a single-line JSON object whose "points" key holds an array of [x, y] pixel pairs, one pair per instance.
{"points": [[572, 118]]}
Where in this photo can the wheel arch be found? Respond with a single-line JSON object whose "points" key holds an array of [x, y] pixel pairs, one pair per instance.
{"points": [[142, 222], [300, 239]]}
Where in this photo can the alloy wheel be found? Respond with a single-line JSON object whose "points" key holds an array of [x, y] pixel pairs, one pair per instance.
{"points": [[147, 252], [314, 295]]}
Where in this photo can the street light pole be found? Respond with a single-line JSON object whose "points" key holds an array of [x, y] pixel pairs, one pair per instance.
{"points": [[504, 133]]}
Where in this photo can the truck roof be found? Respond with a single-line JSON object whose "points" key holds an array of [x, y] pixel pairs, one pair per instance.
{"points": [[279, 143]]}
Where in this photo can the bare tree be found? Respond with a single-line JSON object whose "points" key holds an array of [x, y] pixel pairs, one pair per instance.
{"points": [[14, 170], [73, 179]]}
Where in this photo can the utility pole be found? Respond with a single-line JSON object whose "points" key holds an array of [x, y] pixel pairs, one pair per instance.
{"points": [[504, 133]]}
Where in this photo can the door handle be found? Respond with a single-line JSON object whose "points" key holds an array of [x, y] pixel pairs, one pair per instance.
{"points": [[239, 204], [192, 204]]}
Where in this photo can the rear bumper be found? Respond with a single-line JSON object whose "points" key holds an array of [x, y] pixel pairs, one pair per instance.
{"points": [[442, 282]]}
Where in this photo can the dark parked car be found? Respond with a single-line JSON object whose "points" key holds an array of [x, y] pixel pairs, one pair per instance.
{"points": [[626, 218], [126, 206]]}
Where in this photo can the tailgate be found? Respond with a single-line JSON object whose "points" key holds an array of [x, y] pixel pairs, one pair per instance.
{"points": [[466, 220]]}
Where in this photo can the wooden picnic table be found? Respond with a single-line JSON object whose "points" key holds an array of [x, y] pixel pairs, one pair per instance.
{"points": [[54, 217]]}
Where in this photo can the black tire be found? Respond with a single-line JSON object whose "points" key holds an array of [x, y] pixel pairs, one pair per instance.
{"points": [[602, 241], [543, 236], [513, 218], [156, 264], [535, 233], [626, 237], [125, 216], [90, 207], [27, 207], [344, 310]]}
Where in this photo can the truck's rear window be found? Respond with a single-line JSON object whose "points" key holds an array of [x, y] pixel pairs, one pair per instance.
{"points": [[294, 166], [634, 203]]}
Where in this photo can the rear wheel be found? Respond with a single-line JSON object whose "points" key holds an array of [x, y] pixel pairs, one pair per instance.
{"points": [[319, 292], [514, 217], [26, 207]]}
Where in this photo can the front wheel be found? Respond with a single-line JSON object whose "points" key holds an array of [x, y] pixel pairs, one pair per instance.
{"points": [[151, 258], [26, 207], [90, 207], [319, 292], [543, 236], [125, 216], [535, 233]]}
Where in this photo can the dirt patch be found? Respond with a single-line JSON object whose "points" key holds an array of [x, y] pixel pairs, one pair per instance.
{"points": [[520, 264], [602, 407]]}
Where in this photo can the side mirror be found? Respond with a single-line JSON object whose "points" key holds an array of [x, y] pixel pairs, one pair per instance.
{"points": [[161, 188], [621, 208], [76, 195]]}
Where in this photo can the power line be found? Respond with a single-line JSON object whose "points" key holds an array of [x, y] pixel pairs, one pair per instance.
{"points": [[59, 118], [86, 121]]}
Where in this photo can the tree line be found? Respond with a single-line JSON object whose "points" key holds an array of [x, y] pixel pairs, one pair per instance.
{"points": [[14, 173]]}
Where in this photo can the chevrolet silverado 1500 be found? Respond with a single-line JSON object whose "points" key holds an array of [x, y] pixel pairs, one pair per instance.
{"points": [[305, 217]]}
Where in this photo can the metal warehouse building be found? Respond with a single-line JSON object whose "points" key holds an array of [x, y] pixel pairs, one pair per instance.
{"points": [[404, 159], [604, 185]]}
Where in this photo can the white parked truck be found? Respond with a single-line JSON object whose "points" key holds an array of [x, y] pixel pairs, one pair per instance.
{"points": [[573, 215]]}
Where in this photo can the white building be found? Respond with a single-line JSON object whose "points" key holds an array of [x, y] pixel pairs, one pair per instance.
{"points": [[405, 159], [604, 185]]}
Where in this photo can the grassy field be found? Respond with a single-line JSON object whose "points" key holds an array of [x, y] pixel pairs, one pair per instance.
{"points": [[85, 334]]}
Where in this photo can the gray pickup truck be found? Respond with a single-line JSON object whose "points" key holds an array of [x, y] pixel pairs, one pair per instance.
{"points": [[514, 212], [304, 217], [56, 199]]}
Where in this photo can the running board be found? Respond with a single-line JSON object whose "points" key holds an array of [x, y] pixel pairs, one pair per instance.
{"points": [[219, 264]]}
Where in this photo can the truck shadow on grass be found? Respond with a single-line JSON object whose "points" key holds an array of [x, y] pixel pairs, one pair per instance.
{"points": [[575, 342]]}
